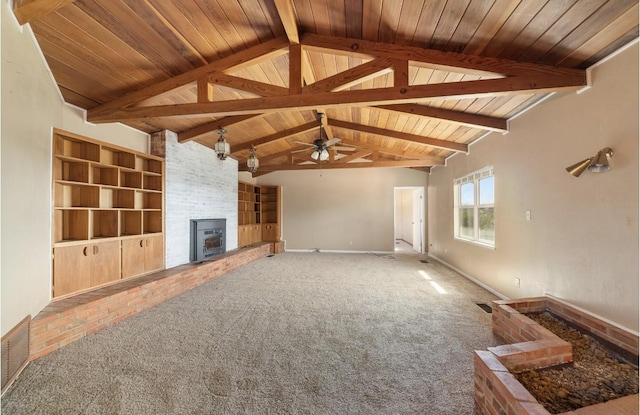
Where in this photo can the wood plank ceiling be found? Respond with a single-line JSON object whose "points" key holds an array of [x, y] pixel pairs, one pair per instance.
{"points": [[403, 83]]}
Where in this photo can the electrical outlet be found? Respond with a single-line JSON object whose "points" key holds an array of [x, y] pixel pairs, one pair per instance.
{"points": [[527, 214], [517, 282]]}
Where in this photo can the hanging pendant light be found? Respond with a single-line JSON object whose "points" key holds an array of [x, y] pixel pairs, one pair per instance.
{"points": [[252, 162], [222, 147]]}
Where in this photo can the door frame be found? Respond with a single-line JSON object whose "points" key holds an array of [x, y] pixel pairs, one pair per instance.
{"points": [[421, 192]]}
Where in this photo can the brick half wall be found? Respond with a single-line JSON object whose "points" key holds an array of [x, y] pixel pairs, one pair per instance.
{"points": [[67, 320]]}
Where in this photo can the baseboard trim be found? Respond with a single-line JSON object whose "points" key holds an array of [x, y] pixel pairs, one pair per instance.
{"points": [[469, 277], [338, 251]]}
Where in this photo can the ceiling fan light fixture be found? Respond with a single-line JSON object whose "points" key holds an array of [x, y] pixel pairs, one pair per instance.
{"points": [[324, 155], [315, 154], [222, 147]]}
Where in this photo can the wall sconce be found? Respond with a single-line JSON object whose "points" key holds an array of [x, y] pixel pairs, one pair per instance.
{"points": [[252, 162], [596, 164], [222, 147]]}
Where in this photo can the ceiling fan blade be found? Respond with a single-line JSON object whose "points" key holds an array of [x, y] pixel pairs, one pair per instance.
{"points": [[332, 141], [342, 148], [300, 151], [305, 144]]}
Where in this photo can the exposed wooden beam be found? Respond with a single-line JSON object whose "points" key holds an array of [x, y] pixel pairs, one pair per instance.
{"points": [[247, 57], [350, 77], [401, 73], [457, 62], [337, 165], [29, 10], [433, 142], [295, 69], [248, 85], [274, 156], [288, 18], [470, 120], [354, 156], [280, 135], [391, 151], [364, 97], [204, 90], [205, 128]]}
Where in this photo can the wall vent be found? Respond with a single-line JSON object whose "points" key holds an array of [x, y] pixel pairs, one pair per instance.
{"points": [[15, 352]]}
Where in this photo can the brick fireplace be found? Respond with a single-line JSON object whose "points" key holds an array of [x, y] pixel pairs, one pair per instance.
{"points": [[530, 346]]}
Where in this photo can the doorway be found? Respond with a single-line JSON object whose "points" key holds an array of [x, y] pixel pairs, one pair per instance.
{"points": [[409, 219]]}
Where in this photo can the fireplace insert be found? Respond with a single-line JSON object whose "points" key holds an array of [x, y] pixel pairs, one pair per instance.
{"points": [[207, 239]]}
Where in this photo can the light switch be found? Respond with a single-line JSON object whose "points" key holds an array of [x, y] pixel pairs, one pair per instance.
{"points": [[527, 214]]}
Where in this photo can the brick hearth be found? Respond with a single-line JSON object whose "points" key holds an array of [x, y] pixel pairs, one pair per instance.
{"points": [[531, 346], [67, 320]]}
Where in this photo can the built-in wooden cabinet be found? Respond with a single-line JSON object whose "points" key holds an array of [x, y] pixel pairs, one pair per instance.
{"points": [[79, 267], [258, 214], [105, 200]]}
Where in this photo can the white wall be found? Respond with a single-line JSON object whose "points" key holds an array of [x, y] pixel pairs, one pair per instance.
{"points": [[341, 209], [31, 106], [404, 215], [197, 186], [582, 242]]}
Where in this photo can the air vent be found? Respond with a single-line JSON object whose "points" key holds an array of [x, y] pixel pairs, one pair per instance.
{"points": [[485, 307], [15, 351]]}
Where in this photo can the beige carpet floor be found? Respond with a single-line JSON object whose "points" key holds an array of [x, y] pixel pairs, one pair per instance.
{"points": [[296, 333]]}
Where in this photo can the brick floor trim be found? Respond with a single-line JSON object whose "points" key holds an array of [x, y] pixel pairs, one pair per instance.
{"points": [[67, 320]]}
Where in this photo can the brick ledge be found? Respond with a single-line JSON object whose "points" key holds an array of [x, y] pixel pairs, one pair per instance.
{"points": [[69, 319]]}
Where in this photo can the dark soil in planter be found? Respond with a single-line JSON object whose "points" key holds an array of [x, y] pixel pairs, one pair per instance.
{"points": [[596, 374]]}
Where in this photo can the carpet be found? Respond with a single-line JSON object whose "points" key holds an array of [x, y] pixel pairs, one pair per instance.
{"points": [[296, 333]]}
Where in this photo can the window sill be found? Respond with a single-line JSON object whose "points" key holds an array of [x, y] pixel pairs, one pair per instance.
{"points": [[478, 243]]}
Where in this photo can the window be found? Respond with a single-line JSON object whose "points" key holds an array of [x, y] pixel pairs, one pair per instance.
{"points": [[473, 208]]}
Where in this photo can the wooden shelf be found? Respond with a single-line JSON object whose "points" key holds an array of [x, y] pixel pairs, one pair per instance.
{"points": [[103, 195], [258, 213]]}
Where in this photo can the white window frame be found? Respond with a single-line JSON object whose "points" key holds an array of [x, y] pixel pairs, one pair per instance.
{"points": [[473, 177]]}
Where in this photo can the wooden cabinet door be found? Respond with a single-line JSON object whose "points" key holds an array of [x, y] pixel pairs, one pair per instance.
{"points": [[71, 269], [242, 236], [256, 235], [270, 232], [154, 253], [105, 262], [133, 253]]}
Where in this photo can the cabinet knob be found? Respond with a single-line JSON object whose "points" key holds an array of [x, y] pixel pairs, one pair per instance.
{"points": [[84, 250], [95, 250], [141, 243]]}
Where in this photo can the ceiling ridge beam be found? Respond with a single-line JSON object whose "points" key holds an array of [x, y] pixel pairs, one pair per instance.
{"points": [[287, 15], [280, 135], [483, 122], [458, 62], [244, 58], [433, 142], [364, 97]]}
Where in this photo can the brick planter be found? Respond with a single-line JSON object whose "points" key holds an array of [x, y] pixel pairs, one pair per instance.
{"points": [[532, 347]]}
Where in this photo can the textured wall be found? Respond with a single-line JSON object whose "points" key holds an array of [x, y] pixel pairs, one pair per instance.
{"points": [[197, 186], [581, 243]]}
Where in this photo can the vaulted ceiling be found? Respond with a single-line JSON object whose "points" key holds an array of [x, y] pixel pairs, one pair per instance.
{"points": [[403, 83]]}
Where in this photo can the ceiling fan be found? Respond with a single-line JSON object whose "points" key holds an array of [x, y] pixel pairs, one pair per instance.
{"points": [[323, 144]]}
